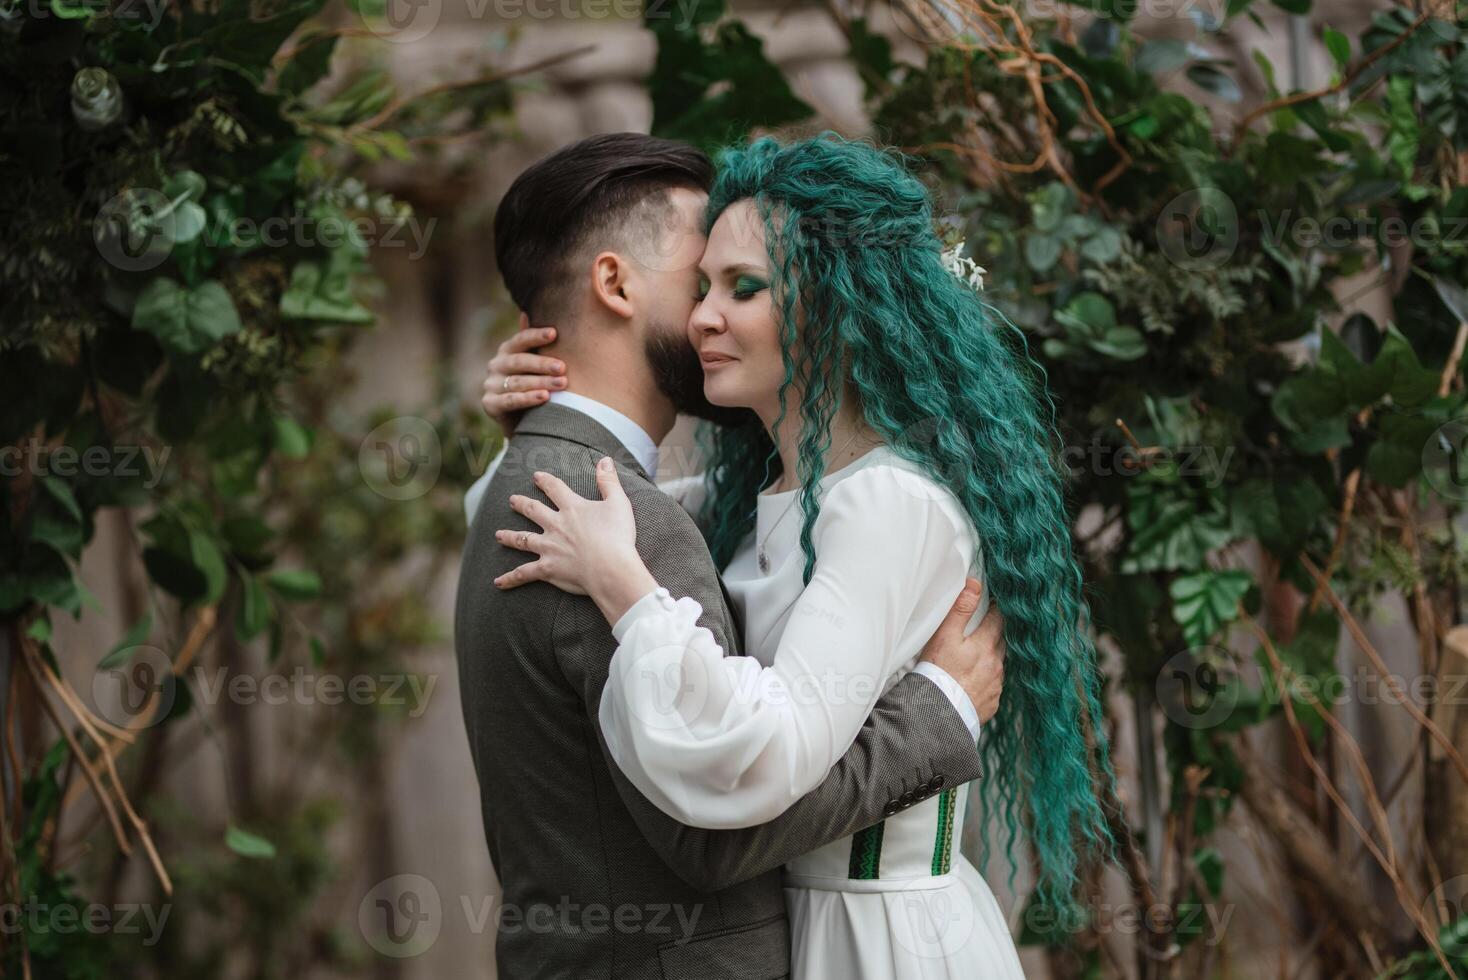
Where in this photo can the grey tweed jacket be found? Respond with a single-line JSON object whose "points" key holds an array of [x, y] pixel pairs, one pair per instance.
{"points": [[598, 882]]}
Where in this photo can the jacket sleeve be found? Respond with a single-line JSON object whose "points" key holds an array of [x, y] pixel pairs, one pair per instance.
{"points": [[911, 745]]}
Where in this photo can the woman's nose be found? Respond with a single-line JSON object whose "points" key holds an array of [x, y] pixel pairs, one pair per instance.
{"points": [[705, 319]]}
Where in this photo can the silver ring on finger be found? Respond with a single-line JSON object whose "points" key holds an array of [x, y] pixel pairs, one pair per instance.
{"points": [[506, 385], [524, 540]]}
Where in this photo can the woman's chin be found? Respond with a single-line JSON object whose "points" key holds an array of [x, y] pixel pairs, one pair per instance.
{"points": [[721, 394]]}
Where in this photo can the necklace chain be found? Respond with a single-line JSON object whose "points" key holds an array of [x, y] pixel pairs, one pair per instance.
{"points": [[762, 556]]}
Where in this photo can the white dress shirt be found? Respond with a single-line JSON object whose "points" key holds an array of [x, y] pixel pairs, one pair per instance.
{"points": [[628, 433]]}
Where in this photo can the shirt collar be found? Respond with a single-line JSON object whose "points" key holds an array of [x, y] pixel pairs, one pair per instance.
{"points": [[628, 432]]}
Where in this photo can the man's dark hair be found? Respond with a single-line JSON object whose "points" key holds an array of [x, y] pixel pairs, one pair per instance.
{"points": [[609, 190]]}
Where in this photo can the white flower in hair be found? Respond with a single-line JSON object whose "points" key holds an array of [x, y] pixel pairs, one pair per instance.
{"points": [[966, 269]]}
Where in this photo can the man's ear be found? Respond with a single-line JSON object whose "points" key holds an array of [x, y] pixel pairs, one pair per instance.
{"points": [[610, 278]]}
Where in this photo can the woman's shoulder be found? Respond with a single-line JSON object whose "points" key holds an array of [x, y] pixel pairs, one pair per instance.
{"points": [[885, 486]]}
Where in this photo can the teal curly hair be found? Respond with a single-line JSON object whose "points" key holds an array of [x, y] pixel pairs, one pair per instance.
{"points": [[856, 263]]}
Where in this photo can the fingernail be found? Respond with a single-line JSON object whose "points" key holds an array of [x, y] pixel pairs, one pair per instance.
{"points": [[550, 331], [559, 382], [559, 366], [604, 463]]}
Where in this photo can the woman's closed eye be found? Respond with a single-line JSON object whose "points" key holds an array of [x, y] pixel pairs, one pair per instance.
{"points": [[746, 287]]}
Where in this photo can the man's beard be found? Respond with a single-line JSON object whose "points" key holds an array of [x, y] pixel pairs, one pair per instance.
{"points": [[678, 374]]}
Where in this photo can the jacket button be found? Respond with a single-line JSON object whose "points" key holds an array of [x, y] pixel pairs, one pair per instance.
{"points": [[891, 808], [936, 783], [908, 798]]}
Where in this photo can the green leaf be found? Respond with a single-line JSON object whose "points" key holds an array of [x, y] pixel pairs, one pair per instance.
{"points": [[1042, 252], [1162, 55], [320, 292], [1453, 297], [187, 320], [1102, 247], [1280, 510], [254, 609], [135, 637], [1205, 601], [1088, 314], [711, 83], [1171, 529], [309, 63], [61, 493], [1338, 45], [291, 438], [248, 845], [209, 560], [296, 583], [1266, 68], [1215, 81]]}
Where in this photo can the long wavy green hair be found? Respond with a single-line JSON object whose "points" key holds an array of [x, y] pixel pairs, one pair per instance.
{"points": [[867, 308]]}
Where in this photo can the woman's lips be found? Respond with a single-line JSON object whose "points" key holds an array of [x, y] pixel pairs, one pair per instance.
{"points": [[714, 360]]}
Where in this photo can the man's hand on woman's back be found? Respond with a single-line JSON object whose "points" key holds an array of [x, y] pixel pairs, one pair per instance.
{"points": [[975, 661]]}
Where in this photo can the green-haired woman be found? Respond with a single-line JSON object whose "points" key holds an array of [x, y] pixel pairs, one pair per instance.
{"points": [[919, 452]]}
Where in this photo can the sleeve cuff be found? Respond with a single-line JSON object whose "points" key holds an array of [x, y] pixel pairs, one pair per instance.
{"points": [[955, 693], [658, 600]]}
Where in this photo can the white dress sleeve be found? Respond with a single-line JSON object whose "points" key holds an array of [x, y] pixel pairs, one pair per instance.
{"points": [[722, 742]]}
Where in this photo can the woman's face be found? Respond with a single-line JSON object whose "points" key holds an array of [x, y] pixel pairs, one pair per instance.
{"points": [[733, 325]]}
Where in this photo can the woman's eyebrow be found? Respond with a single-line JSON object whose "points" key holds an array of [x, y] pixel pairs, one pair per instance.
{"points": [[735, 267]]}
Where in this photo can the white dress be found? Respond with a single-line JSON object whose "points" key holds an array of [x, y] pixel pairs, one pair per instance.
{"points": [[725, 742]]}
